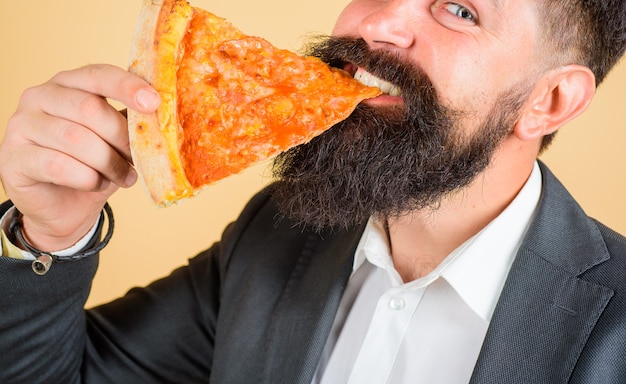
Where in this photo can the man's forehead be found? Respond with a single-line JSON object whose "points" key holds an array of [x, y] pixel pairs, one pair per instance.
{"points": [[514, 13], [500, 5]]}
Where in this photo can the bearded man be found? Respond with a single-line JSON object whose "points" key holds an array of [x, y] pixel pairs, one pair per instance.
{"points": [[419, 240]]}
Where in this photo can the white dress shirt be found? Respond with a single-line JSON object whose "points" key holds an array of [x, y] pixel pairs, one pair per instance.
{"points": [[429, 330]]}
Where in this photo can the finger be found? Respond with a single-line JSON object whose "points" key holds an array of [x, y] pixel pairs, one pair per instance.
{"points": [[83, 145], [86, 109], [44, 165], [112, 82]]}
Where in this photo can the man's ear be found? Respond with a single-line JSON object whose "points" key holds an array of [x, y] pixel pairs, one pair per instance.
{"points": [[561, 95]]}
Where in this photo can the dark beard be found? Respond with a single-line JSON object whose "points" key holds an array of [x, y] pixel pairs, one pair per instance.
{"points": [[385, 162]]}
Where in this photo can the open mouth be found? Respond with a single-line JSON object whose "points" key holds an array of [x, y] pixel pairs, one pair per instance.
{"points": [[370, 80]]}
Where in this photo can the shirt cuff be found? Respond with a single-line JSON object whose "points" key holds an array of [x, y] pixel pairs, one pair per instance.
{"points": [[8, 249]]}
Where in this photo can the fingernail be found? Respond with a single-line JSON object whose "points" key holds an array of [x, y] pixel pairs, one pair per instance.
{"points": [[131, 178], [147, 99]]}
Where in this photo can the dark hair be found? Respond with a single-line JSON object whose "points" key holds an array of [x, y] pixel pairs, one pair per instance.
{"points": [[586, 32]]}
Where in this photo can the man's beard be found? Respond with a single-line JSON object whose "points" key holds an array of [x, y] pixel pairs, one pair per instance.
{"points": [[386, 161]]}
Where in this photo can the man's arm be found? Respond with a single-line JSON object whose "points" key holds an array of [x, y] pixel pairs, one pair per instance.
{"points": [[161, 333], [42, 320], [65, 152]]}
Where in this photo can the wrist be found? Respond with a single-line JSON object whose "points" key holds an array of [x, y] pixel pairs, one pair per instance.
{"points": [[90, 244], [47, 237]]}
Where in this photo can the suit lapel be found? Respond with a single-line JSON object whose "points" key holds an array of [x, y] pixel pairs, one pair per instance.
{"points": [[306, 310], [546, 312], [540, 325]]}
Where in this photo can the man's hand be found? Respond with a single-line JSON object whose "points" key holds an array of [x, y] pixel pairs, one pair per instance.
{"points": [[66, 150]]}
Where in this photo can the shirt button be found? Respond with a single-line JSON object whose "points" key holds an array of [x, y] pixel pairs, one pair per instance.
{"points": [[396, 303]]}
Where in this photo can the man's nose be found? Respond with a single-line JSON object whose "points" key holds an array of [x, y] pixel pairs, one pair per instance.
{"points": [[391, 24]]}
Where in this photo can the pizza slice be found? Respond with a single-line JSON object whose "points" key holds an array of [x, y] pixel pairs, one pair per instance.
{"points": [[228, 100]]}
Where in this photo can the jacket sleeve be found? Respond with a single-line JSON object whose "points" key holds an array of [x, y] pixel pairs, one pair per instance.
{"points": [[42, 320], [161, 333]]}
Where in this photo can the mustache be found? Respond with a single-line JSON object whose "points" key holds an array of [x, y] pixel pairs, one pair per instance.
{"points": [[345, 51], [338, 51]]}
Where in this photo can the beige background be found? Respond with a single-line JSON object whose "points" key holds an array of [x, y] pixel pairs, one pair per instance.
{"points": [[40, 37]]}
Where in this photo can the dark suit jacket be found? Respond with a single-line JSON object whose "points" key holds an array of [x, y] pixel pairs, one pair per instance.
{"points": [[257, 308]]}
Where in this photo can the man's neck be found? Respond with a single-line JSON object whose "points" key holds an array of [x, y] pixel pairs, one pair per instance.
{"points": [[421, 240]]}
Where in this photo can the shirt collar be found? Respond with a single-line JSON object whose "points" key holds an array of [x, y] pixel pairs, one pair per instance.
{"points": [[478, 268]]}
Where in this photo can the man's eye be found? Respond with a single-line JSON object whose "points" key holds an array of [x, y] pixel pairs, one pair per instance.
{"points": [[460, 11]]}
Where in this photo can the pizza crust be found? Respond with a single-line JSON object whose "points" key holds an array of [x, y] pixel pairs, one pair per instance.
{"points": [[153, 136]]}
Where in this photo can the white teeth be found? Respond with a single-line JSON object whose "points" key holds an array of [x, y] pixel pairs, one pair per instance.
{"points": [[370, 80]]}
